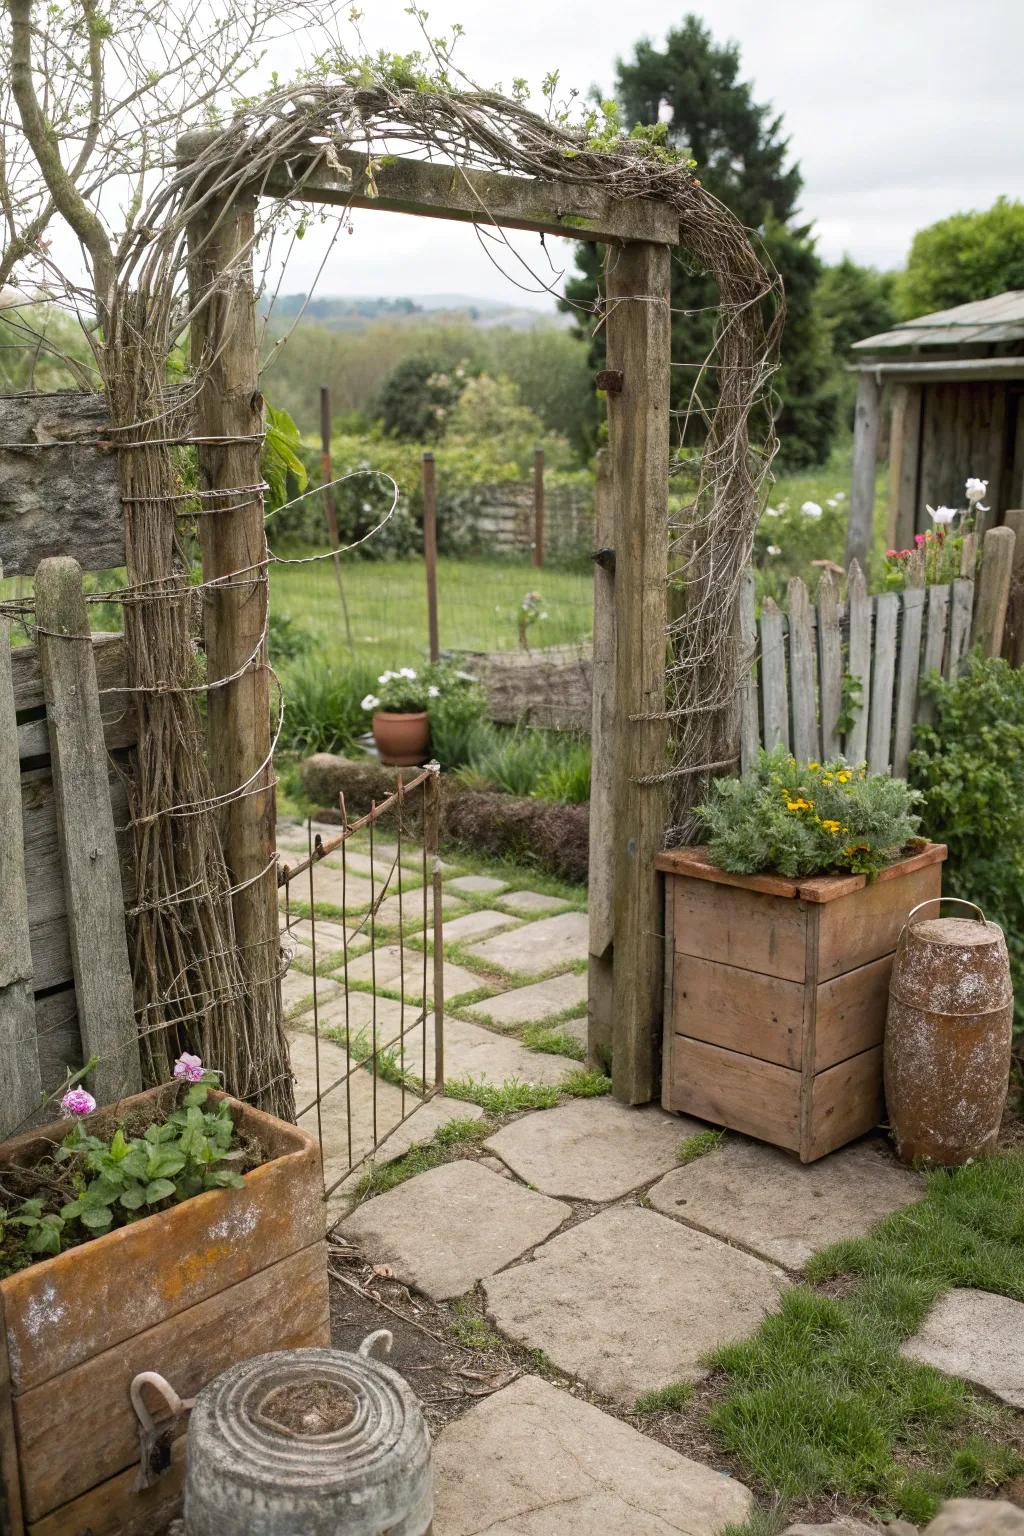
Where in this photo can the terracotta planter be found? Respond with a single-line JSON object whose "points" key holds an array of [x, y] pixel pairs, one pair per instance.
{"points": [[776, 993], [185, 1292], [402, 740]]}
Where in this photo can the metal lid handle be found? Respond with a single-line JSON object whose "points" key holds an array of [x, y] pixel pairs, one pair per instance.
{"points": [[935, 901]]}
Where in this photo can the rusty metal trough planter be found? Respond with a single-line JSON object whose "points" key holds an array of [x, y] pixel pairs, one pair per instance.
{"points": [[186, 1292], [776, 993]]}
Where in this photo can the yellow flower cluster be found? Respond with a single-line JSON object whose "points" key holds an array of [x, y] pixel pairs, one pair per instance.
{"points": [[798, 805]]}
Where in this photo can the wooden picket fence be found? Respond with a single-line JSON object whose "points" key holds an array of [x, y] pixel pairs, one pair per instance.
{"points": [[846, 677]]}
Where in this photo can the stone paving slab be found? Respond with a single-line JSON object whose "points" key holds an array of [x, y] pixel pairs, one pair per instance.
{"points": [[422, 1123], [327, 889], [411, 915], [335, 1106], [360, 1012], [477, 885], [330, 935], [297, 992], [534, 1004], [550, 944], [529, 903], [452, 1226], [591, 1149], [472, 1051], [843, 1527], [976, 1335], [631, 1301], [381, 868], [532, 1460], [475, 924], [767, 1201], [977, 1517], [387, 964]]}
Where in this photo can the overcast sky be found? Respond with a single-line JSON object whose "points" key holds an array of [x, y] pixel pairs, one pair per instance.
{"points": [[899, 112]]}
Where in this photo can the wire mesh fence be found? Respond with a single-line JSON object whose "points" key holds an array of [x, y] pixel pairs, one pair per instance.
{"points": [[364, 989]]}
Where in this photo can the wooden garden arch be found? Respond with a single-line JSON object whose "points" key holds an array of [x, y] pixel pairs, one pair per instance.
{"points": [[629, 806]]}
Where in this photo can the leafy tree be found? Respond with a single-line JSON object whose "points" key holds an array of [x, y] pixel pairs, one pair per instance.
{"points": [[853, 302], [968, 256], [417, 397], [743, 157]]}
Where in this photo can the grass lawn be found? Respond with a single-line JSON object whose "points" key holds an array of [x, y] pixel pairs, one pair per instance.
{"points": [[478, 606]]}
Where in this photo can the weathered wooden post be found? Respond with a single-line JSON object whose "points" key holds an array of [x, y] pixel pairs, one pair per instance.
{"points": [[997, 552], [430, 551], [230, 435], [866, 420], [538, 507], [1013, 634], [601, 856], [637, 381]]}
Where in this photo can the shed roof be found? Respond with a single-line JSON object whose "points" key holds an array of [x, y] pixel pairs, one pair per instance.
{"points": [[983, 322]]}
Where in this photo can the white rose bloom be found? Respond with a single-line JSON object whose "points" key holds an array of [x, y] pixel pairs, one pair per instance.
{"points": [[811, 509], [975, 490], [942, 516], [772, 512], [409, 672], [386, 677], [433, 693], [773, 549], [371, 701]]}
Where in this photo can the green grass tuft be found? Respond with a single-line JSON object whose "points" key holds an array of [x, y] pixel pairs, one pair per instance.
{"points": [[553, 1041], [698, 1145], [585, 1085], [472, 1330], [503, 1098], [378, 1179], [820, 1399], [665, 1399]]}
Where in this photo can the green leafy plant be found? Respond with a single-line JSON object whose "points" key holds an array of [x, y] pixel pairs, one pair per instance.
{"points": [[409, 690], [123, 1178], [851, 702], [969, 767], [806, 818]]}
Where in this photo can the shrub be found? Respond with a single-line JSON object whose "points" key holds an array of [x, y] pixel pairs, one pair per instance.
{"points": [[806, 818], [323, 705], [969, 765]]}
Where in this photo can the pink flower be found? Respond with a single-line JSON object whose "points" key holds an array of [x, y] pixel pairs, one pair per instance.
{"points": [[892, 554], [919, 539], [77, 1102], [189, 1067]]}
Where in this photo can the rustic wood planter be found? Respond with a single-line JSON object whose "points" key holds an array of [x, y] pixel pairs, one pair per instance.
{"points": [[186, 1292], [776, 993]]}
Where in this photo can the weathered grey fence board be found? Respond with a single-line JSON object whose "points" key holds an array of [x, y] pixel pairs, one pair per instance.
{"points": [[108, 657], [801, 673], [774, 696], [830, 665], [858, 662], [47, 905], [883, 672], [959, 625], [906, 685], [934, 649], [750, 730], [85, 825], [993, 590], [58, 1041], [17, 1011], [59, 491]]}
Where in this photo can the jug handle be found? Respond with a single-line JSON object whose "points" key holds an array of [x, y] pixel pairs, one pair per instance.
{"points": [[934, 901]]}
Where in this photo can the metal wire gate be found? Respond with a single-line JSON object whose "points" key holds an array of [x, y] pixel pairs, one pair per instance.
{"points": [[376, 976]]}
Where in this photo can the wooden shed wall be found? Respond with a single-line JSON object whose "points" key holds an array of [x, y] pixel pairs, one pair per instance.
{"points": [[943, 432]]}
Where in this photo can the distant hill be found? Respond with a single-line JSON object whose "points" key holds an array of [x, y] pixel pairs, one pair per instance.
{"points": [[341, 312]]}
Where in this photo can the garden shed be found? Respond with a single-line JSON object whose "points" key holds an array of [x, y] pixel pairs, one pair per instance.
{"points": [[955, 381]]}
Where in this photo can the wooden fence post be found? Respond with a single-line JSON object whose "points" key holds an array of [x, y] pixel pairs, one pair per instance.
{"points": [[18, 1045], [600, 878], [538, 507], [330, 513], [1013, 634], [867, 416], [430, 550], [229, 415], [85, 832], [639, 348], [997, 559]]}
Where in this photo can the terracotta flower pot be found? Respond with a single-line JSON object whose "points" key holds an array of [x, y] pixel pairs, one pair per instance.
{"points": [[402, 740]]}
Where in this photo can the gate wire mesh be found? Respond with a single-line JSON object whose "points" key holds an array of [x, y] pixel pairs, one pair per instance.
{"points": [[389, 914]]}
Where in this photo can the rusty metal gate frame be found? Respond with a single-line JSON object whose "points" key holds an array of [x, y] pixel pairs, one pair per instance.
{"points": [[425, 788]]}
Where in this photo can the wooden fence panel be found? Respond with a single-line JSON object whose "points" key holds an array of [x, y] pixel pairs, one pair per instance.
{"points": [[830, 666], [806, 741], [959, 625], [774, 694], [750, 727], [883, 675], [858, 663], [907, 681]]}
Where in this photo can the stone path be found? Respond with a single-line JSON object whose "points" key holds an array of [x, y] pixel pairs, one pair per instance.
{"points": [[588, 1242]]}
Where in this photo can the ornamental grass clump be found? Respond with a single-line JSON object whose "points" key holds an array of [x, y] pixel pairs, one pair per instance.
{"points": [[809, 818]]}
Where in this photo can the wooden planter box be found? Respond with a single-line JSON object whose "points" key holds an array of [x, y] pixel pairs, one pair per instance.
{"points": [[776, 994], [186, 1292]]}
